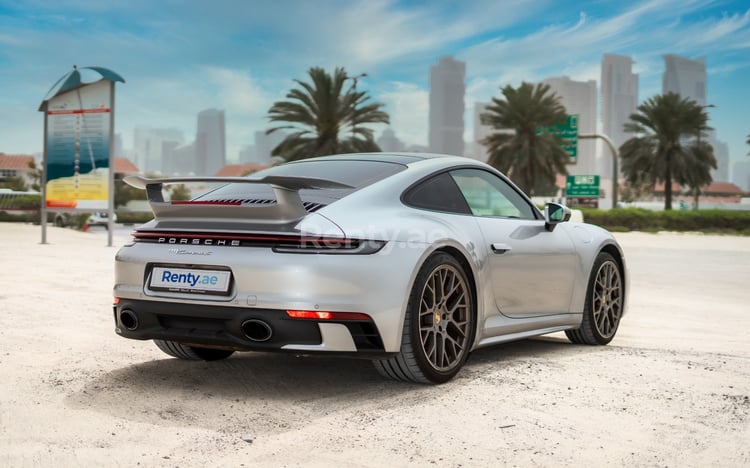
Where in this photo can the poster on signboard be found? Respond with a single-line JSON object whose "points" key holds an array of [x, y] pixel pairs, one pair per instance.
{"points": [[78, 133]]}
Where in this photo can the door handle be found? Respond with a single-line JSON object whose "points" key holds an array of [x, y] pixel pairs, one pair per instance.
{"points": [[500, 248]]}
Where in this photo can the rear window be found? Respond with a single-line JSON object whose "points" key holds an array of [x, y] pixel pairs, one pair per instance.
{"points": [[355, 173]]}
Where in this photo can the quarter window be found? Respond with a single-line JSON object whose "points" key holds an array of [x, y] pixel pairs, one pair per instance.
{"points": [[438, 193]]}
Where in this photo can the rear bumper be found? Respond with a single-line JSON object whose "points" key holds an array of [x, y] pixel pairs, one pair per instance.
{"points": [[265, 283], [219, 326]]}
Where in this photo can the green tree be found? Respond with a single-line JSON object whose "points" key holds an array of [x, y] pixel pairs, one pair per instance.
{"points": [[36, 176], [179, 193], [125, 192], [15, 183], [326, 116], [666, 147], [530, 157]]}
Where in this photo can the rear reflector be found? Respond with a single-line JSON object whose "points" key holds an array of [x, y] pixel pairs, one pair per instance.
{"points": [[117, 300], [319, 315]]}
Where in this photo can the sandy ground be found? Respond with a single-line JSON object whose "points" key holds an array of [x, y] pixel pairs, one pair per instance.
{"points": [[671, 390]]}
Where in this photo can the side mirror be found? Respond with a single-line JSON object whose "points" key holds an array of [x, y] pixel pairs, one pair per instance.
{"points": [[555, 213]]}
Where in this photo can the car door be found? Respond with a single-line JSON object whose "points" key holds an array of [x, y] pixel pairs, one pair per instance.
{"points": [[531, 268]]}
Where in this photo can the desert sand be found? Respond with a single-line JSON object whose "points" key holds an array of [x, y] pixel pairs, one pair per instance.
{"points": [[672, 389]]}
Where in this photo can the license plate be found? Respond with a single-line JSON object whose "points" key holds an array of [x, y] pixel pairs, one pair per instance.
{"points": [[193, 280]]}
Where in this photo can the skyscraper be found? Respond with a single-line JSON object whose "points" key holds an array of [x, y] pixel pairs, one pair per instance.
{"points": [[149, 147], [389, 142], [579, 97], [685, 77], [446, 132], [619, 100], [481, 131], [210, 146]]}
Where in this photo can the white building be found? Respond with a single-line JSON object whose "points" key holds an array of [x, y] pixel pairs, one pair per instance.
{"points": [[481, 131], [265, 144], [579, 97], [685, 77], [389, 142], [721, 152], [741, 175], [447, 91], [210, 142], [148, 146], [619, 91]]}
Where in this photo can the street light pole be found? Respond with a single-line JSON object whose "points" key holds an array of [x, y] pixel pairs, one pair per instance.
{"points": [[354, 102], [615, 170]]}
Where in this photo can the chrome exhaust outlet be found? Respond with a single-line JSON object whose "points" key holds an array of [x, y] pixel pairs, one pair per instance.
{"points": [[129, 319], [257, 330]]}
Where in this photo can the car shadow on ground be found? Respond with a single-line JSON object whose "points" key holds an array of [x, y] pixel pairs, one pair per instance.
{"points": [[296, 387]]}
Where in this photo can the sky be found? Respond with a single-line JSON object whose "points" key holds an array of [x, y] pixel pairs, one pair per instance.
{"points": [[181, 57]]}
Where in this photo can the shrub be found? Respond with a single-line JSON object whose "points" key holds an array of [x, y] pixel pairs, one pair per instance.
{"points": [[637, 219]]}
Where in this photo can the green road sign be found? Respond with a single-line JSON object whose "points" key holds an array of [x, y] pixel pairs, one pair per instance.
{"points": [[582, 186], [568, 132]]}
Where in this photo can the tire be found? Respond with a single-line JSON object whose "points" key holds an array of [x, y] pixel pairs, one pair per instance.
{"points": [[603, 307], [192, 353], [438, 327]]}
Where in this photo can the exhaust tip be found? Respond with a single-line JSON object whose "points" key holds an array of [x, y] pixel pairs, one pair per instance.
{"points": [[129, 319], [257, 330]]}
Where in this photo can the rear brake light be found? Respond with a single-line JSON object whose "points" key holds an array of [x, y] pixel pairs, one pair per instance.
{"points": [[320, 315], [117, 300]]}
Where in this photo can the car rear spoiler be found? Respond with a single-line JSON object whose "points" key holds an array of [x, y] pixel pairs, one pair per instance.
{"points": [[288, 206]]}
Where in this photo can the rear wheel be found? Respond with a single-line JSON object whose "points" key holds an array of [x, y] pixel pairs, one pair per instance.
{"points": [[438, 325], [192, 353], [604, 302]]}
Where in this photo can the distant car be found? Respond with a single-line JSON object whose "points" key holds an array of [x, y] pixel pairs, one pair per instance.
{"points": [[410, 260], [100, 218]]}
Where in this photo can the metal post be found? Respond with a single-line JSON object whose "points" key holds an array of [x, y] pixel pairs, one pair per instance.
{"points": [[43, 184], [111, 194], [615, 170]]}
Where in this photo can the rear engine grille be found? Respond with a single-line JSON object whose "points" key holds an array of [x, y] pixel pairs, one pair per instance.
{"points": [[310, 207]]}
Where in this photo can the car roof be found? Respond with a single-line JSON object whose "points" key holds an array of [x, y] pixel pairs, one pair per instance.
{"points": [[388, 157]]}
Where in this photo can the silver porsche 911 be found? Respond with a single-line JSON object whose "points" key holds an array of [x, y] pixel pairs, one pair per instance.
{"points": [[410, 260]]}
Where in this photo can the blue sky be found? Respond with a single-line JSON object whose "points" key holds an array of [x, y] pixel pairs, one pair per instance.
{"points": [[180, 57]]}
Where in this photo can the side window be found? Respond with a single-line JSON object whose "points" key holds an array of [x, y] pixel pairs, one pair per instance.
{"points": [[490, 196], [439, 193]]}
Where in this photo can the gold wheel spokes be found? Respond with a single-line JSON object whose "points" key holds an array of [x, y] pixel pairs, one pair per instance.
{"points": [[607, 299], [444, 318]]}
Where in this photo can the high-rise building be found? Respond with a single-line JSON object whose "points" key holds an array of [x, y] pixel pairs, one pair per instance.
{"points": [[148, 147], [481, 131], [685, 77], [210, 146], [247, 154], [447, 88], [265, 144], [619, 90], [721, 153], [741, 175], [579, 98], [389, 142]]}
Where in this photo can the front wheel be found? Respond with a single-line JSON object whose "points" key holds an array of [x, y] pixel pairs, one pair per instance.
{"points": [[192, 353], [438, 325], [604, 303]]}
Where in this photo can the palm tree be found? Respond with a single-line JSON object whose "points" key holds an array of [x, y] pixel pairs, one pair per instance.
{"points": [[325, 118], [665, 148], [531, 157]]}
